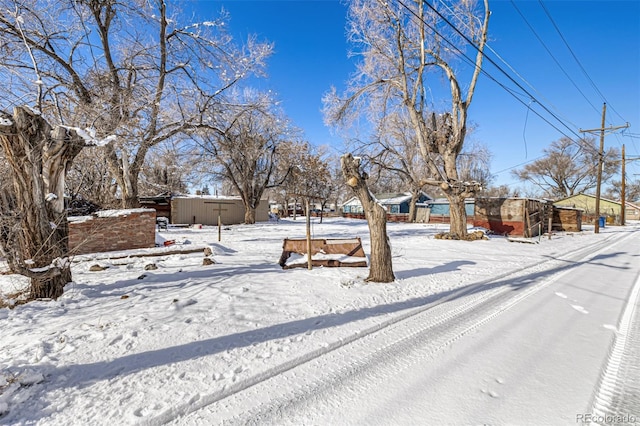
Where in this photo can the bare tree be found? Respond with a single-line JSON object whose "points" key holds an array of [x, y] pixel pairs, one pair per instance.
{"points": [[396, 150], [243, 145], [405, 45], [166, 171], [33, 225], [310, 177], [90, 182], [474, 164], [132, 69], [381, 265], [501, 191], [569, 167], [632, 191]]}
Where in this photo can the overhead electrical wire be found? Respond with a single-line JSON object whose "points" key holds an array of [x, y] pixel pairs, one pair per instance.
{"points": [[526, 21], [504, 61], [484, 72], [584, 71], [490, 60]]}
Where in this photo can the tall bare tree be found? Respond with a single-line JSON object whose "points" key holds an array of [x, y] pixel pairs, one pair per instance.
{"points": [[569, 167], [134, 69], [406, 46], [310, 177], [244, 146], [396, 150], [632, 191]]}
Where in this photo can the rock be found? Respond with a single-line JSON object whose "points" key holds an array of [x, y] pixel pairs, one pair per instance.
{"points": [[150, 267], [208, 261], [97, 268]]}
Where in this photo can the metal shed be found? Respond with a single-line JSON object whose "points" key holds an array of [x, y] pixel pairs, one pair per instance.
{"points": [[205, 209]]}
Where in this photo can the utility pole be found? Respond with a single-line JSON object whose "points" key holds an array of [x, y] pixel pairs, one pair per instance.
{"points": [[602, 130], [623, 197], [623, 186]]}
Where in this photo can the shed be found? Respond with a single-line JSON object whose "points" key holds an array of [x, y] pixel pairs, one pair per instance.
{"points": [[567, 219], [203, 209], [161, 203], [587, 203], [523, 217]]}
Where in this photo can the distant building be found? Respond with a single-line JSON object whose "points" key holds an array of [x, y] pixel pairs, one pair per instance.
{"points": [[632, 211], [440, 210], [587, 203], [204, 210], [397, 205]]}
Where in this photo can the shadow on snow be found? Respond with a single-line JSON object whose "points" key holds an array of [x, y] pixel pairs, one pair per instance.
{"points": [[87, 374]]}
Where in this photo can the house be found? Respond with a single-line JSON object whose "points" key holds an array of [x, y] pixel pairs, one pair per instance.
{"points": [[205, 209], [397, 205], [523, 217], [439, 210], [632, 212], [587, 203]]}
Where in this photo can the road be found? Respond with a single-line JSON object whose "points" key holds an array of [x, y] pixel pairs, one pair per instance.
{"points": [[552, 344]]}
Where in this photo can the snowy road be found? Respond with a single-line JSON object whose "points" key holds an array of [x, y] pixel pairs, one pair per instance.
{"points": [[536, 347]]}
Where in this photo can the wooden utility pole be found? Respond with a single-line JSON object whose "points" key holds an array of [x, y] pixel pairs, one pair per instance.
{"points": [[601, 130], [309, 261], [623, 186], [623, 197]]}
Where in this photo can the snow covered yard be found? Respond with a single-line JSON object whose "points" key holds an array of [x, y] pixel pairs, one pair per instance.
{"points": [[127, 345]]}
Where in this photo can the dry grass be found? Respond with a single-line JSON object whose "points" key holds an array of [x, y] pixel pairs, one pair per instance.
{"points": [[12, 300]]}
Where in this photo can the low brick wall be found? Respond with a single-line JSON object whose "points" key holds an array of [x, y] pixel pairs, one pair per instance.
{"points": [[112, 230]]}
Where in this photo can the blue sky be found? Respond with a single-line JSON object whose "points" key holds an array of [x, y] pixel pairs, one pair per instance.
{"points": [[311, 56]]}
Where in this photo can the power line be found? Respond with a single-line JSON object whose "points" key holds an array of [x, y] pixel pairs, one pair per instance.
{"points": [[511, 68], [584, 71], [491, 61], [483, 71], [551, 54]]}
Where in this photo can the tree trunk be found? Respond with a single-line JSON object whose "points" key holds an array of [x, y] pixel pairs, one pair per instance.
{"points": [[125, 174], [36, 243], [249, 215], [130, 189], [457, 215], [413, 211], [380, 268]]}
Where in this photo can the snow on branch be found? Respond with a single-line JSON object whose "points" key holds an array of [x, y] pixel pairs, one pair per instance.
{"points": [[89, 136]]}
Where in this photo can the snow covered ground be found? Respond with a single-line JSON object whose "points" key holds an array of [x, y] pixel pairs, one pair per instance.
{"points": [[134, 345]]}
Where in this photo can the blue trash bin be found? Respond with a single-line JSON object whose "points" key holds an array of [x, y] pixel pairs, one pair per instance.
{"points": [[602, 221]]}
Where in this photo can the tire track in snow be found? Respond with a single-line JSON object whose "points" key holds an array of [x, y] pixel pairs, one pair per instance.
{"points": [[618, 393], [468, 299], [422, 336]]}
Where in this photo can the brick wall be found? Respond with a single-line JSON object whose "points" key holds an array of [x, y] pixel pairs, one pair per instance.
{"points": [[112, 230]]}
